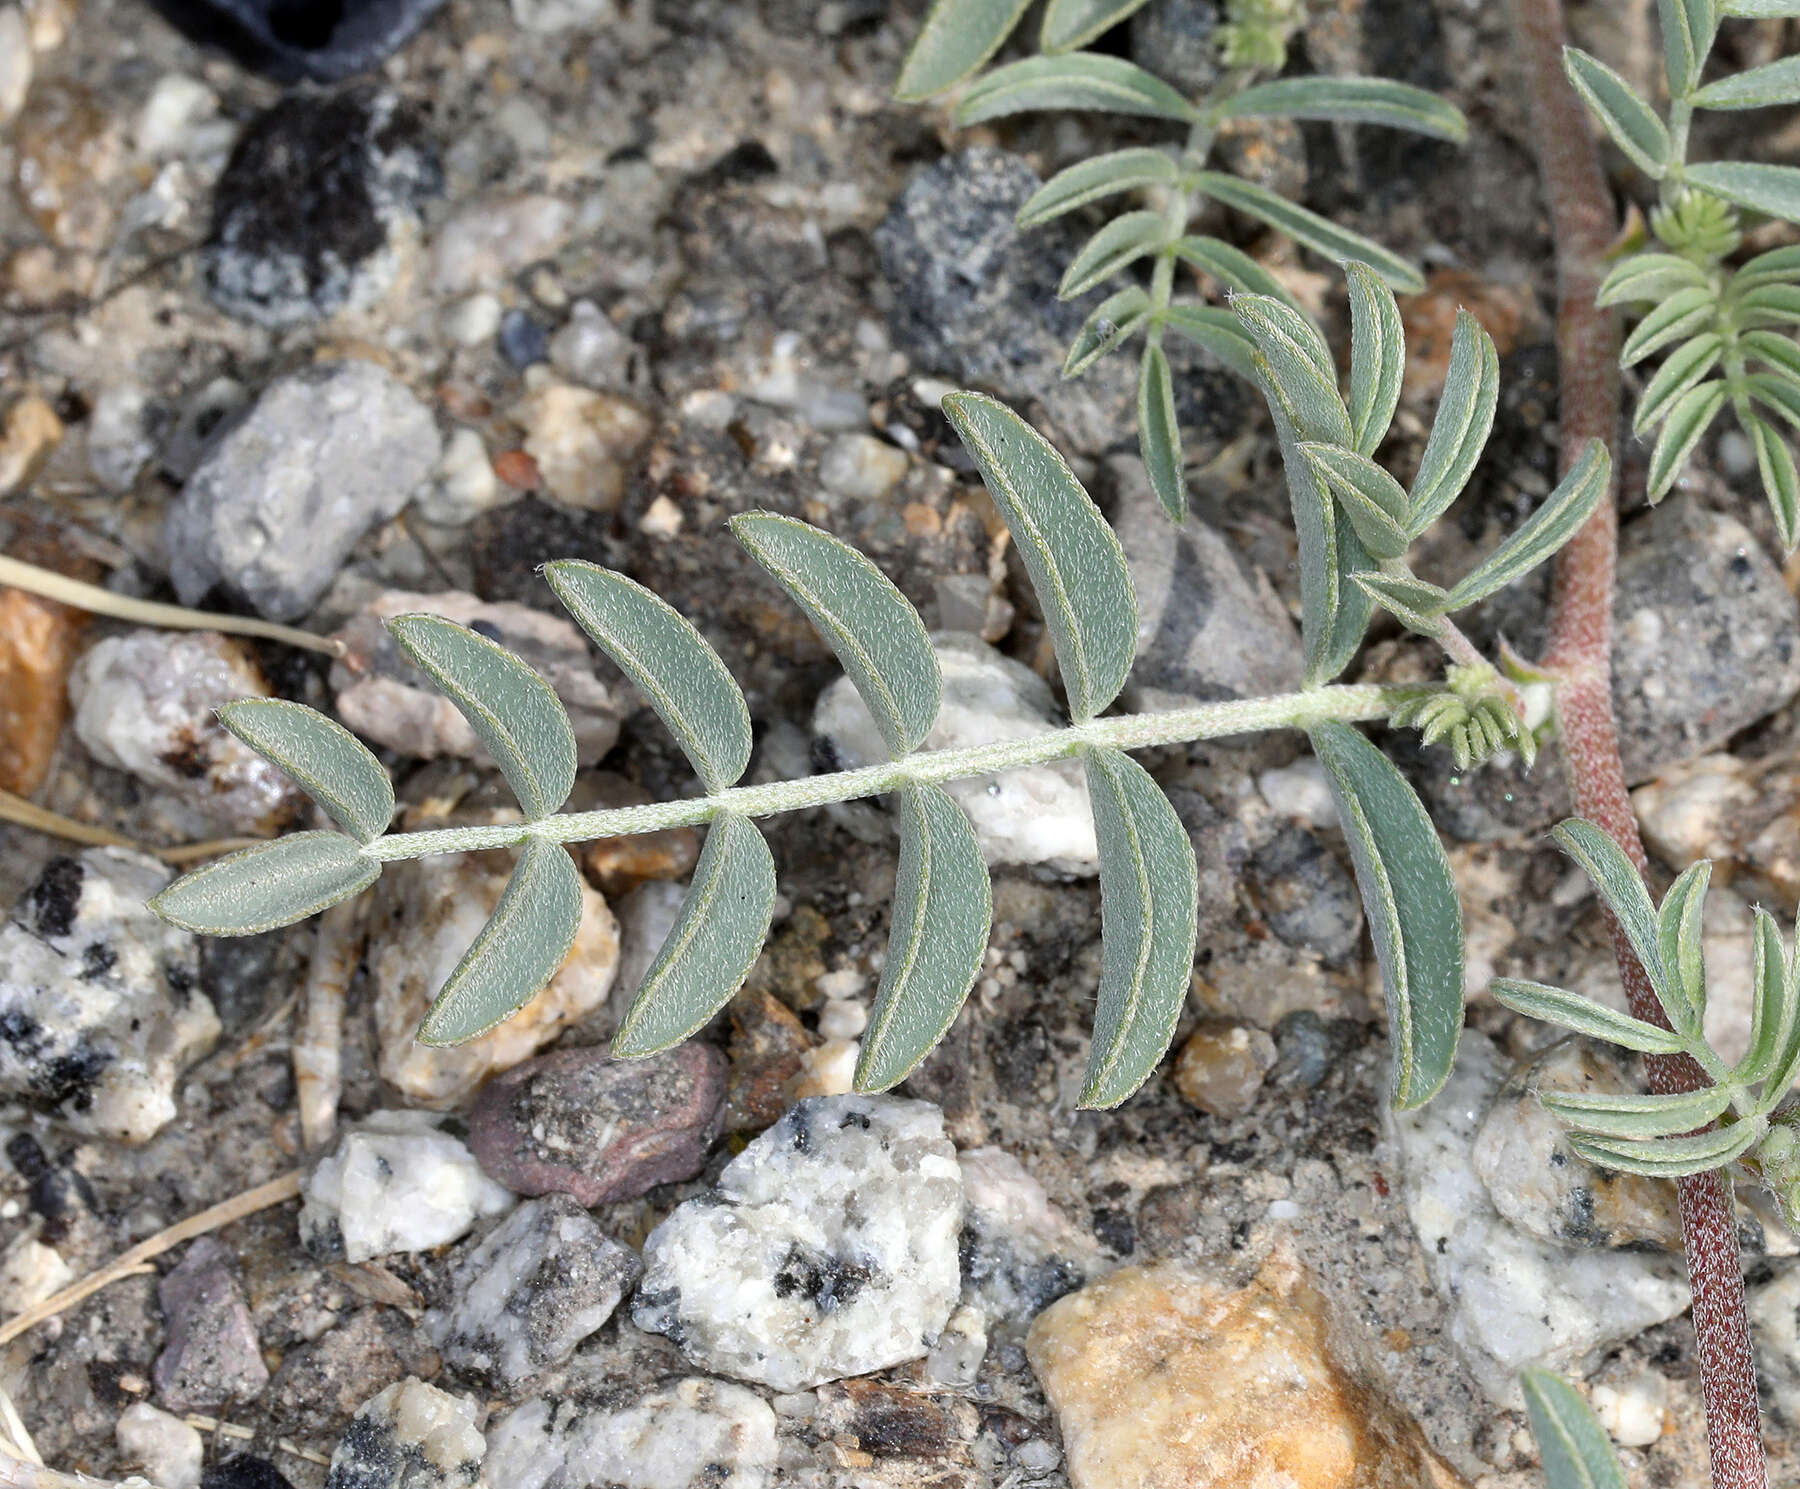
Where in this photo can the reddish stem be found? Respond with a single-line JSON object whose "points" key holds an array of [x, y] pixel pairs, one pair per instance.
{"points": [[1580, 651]]}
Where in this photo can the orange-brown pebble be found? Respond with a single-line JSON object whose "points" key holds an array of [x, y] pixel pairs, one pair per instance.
{"points": [[1222, 1065], [518, 470]]}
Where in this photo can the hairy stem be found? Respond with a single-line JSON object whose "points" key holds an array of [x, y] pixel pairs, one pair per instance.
{"points": [[1126, 732], [1580, 652]]}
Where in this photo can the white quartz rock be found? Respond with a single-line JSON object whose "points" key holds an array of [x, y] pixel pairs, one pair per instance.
{"points": [[1515, 1300], [410, 1436], [100, 1006], [1020, 1252], [1037, 815], [168, 1450], [394, 1183], [692, 1434], [828, 1249]]}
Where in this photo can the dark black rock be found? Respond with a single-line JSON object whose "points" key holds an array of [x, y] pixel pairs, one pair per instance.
{"points": [[1305, 894], [320, 41], [304, 215], [522, 340], [245, 1472]]}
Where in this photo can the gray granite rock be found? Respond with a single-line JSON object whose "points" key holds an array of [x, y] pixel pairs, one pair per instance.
{"points": [[211, 1356], [829, 1247], [529, 1292], [603, 1130], [410, 1436], [100, 1007], [1179, 41], [285, 490], [1019, 1252], [1307, 897]]}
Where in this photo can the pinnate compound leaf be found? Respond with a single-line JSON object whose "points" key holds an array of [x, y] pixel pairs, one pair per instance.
{"points": [[1123, 241], [716, 938], [1090, 180], [1649, 278], [1757, 88], [1320, 234], [1232, 267], [1076, 564], [1114, 319], [1775, 1002], [1781, 482], [943, 910], [1679, 315], [334, 767], [1621, 890], [1459, 431], [1372, 499], [1680, 370], [271, 885], [1687, 420], [1318, 525], [1377, 357], [958, 36], [1416, 604], [1669, 1157], [1678, 932], [1771, 189], [1077, 81], [671, 663], [1149, 901], [1352, 101], [518, 951], [1159, 436], [1554, 1005], [1634, 125], [1415, 918], [1574, 1447], [1216, 329], [1558, 518], [515, 714], [1615, 1114], [877, 635], [1074, 23]]}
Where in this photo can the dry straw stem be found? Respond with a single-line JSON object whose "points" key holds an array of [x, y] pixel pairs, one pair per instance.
{"points": [[1580, 653], [319, 1044], [275, 1192], [25, 813]]}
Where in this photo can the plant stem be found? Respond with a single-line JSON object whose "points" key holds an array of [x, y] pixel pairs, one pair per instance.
{"points": [[1580, 653], [1124, 732]]}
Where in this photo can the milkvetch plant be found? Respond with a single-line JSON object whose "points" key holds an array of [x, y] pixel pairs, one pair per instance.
{"points": [[1355, 525], [1719, 329], [1172, 183]]}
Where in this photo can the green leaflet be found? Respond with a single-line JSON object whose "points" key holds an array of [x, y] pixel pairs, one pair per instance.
{"points": [[1149, 898], [669, 661], [1216, 329], [1779, 394], [1775, 464], [1554, 1005], [1114, 320], [518, 951], [1352, 101], [1683, 367], [1417, 605], [873, 628], [1775, 1002], [1776, 351], [271, 885], [1680, 314], [1320, 234], [1124, 240], [1459, 431], [1687, 420], [1670, 1157], [1372, 499], [1415, 918], [515, 714], [1558, 518], [1687, 28], [1574, 1447], [716, 938], [1621, 890], [1377, 357], [1762, 10], [1771, 189], [1076, 564], [1354, 604], [1631, 122], [1758, 88], [1649, 278], [1074, 23], [1159, 437], [1079, 81], [1232, 267], [1628, 1115], [958, 36], [1773, 267], [1090, 180], [1678, 933], [1767, 305], [943, 909], [1299, 367], [333, 766]]}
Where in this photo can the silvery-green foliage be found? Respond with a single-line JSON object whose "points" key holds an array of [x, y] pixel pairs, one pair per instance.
{"points": [[1720, 329], [1573, 1446], [1668, 1135], [1163, 187]]}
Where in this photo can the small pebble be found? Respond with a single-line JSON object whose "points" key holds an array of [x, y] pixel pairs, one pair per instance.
{"points": [[472, 320], [522, 340], [27, 438], [245, 1471], [464, 484], [486, 240], [180, 117], [30, 1271], [661, 519], [590, 349], [859, 467], [210, 1354], [1633, 1410], [15, 63], [842, 1018], [410, 1436], [1221, 1067], [169, 1452], [69, 150], [1300, 791], [583, 443]]}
